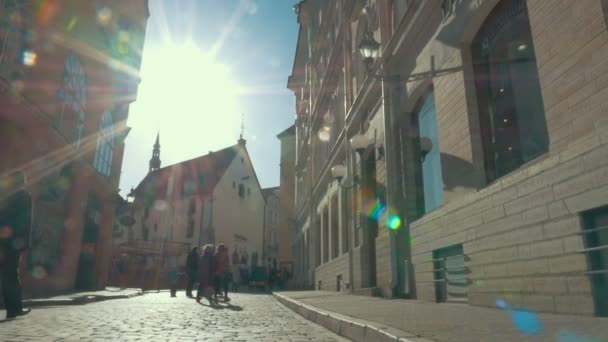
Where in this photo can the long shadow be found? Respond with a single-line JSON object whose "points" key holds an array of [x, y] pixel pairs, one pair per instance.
{"points": [[219, 306]]}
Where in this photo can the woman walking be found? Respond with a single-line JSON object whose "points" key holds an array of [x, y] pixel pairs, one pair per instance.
{"points": [[206, 275], [221, 272], [192, 270]]}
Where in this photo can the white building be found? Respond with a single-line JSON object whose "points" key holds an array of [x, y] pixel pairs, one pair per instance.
{"points": [[215, 198]]}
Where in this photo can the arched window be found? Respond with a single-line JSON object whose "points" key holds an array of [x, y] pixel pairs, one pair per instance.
{"points": [[511, 110], [105, 146]]}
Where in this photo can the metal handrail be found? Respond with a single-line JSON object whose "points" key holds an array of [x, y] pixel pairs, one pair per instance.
{"points": [[604, 271], [593, 249], [596, 229]]}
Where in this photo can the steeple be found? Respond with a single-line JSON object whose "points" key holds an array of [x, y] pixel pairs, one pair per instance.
{"points": [[155, 160], [242, 141]]}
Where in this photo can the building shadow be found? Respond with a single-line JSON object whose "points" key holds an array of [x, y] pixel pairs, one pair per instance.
{"points": [[458, 173]]}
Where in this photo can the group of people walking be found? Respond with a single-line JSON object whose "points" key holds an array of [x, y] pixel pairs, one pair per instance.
{"points": [[210, 268]]}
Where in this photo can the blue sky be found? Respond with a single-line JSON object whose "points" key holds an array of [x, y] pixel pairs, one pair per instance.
{"points": [[205, 64]]}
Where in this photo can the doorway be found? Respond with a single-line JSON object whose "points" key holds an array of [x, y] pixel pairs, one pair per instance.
{"points": [[86, 276], [596, 245]]}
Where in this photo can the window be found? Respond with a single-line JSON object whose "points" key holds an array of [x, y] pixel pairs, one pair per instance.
{"points": [[511, 115], [241, 191], [233, 185], [190, 231], [248, 191], [254, 259], [155, 227], [105, 146], [432, 178], [145, 233], [595, 239]]}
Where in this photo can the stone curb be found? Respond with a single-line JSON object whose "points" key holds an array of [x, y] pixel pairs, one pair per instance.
{"points": [[33, 303], [353, 329]]}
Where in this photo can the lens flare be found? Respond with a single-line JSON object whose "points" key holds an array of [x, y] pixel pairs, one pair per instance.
{"points": [[72, 24], [394, 222], [502, 304], [527, 322], [39, 272], [104, 16], [29, 58]]}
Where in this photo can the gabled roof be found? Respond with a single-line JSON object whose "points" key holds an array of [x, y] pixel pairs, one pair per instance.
{"points": [[204, 172], [269, 191], [287, 132]]}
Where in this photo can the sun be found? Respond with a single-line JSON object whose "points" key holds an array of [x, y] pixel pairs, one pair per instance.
{"points": [[187, 95]]}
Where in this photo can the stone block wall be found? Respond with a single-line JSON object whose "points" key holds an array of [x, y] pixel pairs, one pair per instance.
{"points": [[327, 273], [521, 232]]}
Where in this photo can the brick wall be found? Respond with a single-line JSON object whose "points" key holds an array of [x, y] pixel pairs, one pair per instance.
{"points": [[520, 232]]}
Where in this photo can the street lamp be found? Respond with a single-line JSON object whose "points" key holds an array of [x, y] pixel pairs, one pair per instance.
{"points": [[369, 49], [359, 143]]}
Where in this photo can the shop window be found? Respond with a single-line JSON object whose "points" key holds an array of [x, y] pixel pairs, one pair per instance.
{"points": [[428, 132], [511, 110]]}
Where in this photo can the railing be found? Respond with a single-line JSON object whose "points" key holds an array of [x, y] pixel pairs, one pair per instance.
{"points": [[593, 249]]}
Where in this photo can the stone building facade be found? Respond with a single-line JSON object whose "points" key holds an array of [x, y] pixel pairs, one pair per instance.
{"points": [[495, 151], [287, 246], [68, 72]]}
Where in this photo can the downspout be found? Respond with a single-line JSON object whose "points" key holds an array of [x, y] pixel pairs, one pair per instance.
{"points": [[389, 101], [264, 233]]}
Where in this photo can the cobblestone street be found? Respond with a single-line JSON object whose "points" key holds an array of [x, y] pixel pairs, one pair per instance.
{"points": [[158, 317]]}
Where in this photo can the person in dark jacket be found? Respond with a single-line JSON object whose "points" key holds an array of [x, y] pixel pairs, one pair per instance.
{"points": [[206, 275], [192, 270], [15, 232]]}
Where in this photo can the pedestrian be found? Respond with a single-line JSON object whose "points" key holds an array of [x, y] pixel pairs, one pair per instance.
{"points": [[15, 233], [173, 275], [236, 277], [221, 272], [192, 270], [206, 275]]}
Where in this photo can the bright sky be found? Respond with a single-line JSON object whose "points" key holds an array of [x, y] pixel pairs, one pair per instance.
{"points": [[205, 64]]}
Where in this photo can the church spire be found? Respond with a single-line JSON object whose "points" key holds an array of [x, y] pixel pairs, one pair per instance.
{"points": [[242, 141], [155, 160]]}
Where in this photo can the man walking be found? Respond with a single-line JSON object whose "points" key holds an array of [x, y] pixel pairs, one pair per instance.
{"points": [[15, 230]]}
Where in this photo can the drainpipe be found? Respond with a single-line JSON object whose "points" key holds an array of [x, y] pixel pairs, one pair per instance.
{"points": [[264, 233], [390, 89]]}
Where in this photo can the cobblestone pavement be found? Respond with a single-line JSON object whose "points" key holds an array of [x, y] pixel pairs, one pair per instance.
{"points": [[158, 317]]}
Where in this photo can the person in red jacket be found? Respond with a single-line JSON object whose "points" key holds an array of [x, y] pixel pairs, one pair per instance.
{"points": [[206, 275], [221, 271]]}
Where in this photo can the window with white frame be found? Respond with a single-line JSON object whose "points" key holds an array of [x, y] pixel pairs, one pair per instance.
{"points": [[105, 146]]}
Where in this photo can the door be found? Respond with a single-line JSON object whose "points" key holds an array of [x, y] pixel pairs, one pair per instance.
{"points": [[431, 163], [451, 274], [596, 243], [86, 276]]}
